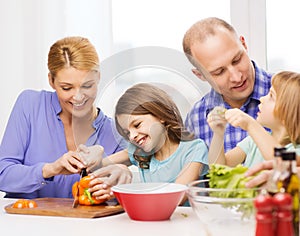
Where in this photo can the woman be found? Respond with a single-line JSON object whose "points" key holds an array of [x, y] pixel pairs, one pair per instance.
{"points": [[39, 155]]}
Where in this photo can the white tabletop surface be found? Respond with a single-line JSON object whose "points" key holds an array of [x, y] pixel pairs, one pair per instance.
{"points": [[184, 222]]}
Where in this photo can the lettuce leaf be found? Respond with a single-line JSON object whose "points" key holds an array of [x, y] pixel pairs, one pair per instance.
{"points": [[221, 176], [232, 178]]}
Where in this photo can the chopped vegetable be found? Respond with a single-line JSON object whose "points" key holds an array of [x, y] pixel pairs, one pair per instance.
{"points": [[24, 203], [219, 111], [184, 215], [232, 178], [221, 176]]}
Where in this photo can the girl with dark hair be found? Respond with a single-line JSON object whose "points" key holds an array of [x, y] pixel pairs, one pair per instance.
{"points": [[158, 143]]}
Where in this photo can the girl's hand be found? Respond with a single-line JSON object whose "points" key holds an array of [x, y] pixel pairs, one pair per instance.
{"points": [[216, 120], [238, 118], [92, 156], [266, 169], [70, 163], [115, 173], [105, 177], [99, 189]]}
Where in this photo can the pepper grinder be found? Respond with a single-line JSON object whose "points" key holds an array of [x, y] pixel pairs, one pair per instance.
{"points": [[283, 203], [264, 215]]}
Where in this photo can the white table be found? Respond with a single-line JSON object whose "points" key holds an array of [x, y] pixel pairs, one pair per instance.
{"points": [[183, 222]]}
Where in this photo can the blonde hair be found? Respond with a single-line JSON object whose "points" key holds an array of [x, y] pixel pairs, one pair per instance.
{"points": [[75, 52], [201, 30], [287, 109]]}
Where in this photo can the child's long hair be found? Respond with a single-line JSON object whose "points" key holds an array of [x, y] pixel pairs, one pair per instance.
{"points": [[143, 99], [287, 107]]}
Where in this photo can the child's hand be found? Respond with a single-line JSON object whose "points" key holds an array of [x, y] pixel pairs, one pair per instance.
{"points": [[99, 189], [105, 177], [216, 119], [115, 173], [265, 168], [238, 118]]}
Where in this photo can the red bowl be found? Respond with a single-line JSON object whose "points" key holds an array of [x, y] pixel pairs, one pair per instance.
{"points": [[149, 201]]}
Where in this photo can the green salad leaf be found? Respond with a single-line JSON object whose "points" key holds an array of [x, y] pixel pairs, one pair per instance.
{"points": [[232, 178]]}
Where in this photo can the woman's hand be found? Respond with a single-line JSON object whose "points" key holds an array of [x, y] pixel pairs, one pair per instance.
{"points": [[92, 156], [70, 163], [216, 120], [108, 176]]}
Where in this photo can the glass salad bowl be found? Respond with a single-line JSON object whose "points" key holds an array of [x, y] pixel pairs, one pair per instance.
{"points": [[223, 211]]}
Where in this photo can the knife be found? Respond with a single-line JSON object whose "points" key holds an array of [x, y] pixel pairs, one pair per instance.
{"points": [[76, 197]]}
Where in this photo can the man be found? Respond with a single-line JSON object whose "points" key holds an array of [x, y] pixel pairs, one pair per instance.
{"points": [[220, 57]]}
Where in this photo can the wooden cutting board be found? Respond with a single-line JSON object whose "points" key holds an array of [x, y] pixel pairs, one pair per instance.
{"points": [[63, 207]]}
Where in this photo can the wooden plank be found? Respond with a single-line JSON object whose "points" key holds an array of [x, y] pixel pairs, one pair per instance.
{"points": [[63, 207]]}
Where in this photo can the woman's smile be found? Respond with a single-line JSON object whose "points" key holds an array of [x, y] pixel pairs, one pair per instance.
{"points": [[79, 105]]}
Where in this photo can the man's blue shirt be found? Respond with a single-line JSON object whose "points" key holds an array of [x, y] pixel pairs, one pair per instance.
{"points": [[196, 119]]}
